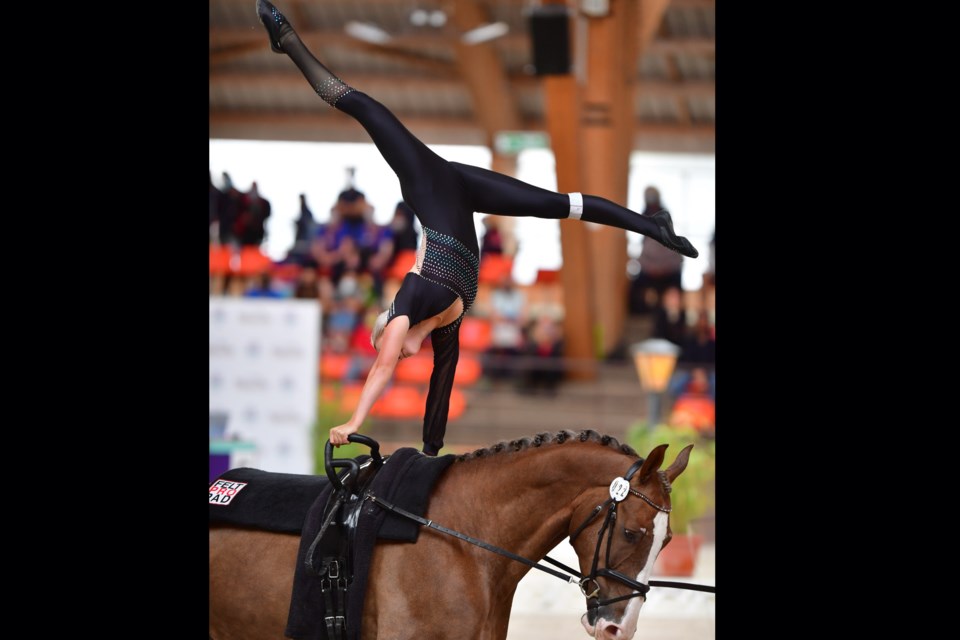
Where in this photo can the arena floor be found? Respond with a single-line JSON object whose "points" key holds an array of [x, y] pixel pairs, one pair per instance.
{"points": [[546, 608]]}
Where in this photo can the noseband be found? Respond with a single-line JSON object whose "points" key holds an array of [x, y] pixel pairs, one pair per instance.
{"points": [[619, 490]]}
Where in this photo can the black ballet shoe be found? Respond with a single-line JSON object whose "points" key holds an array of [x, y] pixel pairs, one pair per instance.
{"points": [[274, 22], [669, 238]]}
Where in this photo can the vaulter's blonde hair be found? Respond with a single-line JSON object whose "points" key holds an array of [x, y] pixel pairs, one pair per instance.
{"points": [[378, 327]]}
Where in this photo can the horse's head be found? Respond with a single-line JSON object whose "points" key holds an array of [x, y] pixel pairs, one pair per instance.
{"points": [[618, 537]]}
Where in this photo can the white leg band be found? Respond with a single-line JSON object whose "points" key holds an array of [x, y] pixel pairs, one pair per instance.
{"points": [[576, 205]]}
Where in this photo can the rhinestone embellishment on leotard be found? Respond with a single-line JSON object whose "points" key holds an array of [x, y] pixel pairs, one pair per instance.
{"points": [[332, 89], [449, 263]]}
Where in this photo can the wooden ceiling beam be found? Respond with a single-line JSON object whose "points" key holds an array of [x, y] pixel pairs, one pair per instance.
{"points": [[673, 72], [220, 36], [449, 80], [494, 105], [651, 17], [227, 53], [330, 119], [229, 36]]}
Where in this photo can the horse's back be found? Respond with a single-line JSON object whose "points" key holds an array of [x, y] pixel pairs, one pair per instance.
{"points": [[251, 577]]}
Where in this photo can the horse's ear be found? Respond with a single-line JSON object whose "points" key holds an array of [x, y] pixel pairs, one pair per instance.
{"points": [[652, 463], [679, 464]]}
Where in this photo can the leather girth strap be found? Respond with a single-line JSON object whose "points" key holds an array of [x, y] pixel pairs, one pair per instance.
{"points": [[330, 555]]}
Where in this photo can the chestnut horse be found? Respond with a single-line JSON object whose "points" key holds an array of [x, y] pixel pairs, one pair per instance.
{"points": [[525, 496]]}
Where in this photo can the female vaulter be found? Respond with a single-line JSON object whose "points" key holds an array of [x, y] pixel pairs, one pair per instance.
{"points": [[442, 284]]}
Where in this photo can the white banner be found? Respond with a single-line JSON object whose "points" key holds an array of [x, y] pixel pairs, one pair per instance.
{"points": [[264, 355]]}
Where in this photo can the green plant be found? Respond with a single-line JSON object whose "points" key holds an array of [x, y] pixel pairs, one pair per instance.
{"points": [[693, 491]]}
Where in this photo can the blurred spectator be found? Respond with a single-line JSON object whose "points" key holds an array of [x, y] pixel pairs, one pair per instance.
{"points": [[351, 260], [214, 223], [353, 233], [360, 340], [492, 241], [351, 296], [308, 285], [323, 248], [670, 320], [305, 228], [230, 201], [545, 347], [660, 268], [254, 210], [261, 287], [404, 228], [507, 317], [697, 361]]}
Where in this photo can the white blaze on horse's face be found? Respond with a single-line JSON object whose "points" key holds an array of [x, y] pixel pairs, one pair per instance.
{"points": [[632, 611], [626, 626]]}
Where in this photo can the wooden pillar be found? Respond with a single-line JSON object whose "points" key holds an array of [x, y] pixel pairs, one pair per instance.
{"points": [[607, 121], [562, 116]]}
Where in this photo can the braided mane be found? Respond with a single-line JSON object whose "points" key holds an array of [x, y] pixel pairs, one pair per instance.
{"points": [[556, 439], [546, 438]]}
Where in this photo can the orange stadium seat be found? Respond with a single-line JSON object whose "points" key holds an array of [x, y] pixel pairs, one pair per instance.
{"points": [[474, 334], [400, 401], [219, 260], [344, 396], [415, 370], [401, 264], [458, 404], [252, 261], [494, 266], [334, 366], [468, 371], [547, 276]]}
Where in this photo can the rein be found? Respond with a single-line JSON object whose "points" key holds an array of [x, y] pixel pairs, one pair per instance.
{"points": [[619, 489]]}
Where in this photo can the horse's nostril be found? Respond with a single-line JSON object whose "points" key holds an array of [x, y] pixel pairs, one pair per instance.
{"points": [[610, 632]]}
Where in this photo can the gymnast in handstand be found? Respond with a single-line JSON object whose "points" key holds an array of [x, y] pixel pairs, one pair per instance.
{"points": [[442, 284]]}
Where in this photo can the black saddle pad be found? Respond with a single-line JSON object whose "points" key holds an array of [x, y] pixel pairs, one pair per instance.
{"points": [[264, 500]]}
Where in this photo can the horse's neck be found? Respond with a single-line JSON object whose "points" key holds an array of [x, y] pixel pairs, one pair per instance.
{"points": [[524, 501]]}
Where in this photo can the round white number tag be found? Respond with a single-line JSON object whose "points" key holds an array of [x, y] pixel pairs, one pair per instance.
{"points": [[619, 489]]}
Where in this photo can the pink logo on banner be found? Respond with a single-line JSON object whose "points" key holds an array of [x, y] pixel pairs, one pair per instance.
{"points": [[223, 491]]}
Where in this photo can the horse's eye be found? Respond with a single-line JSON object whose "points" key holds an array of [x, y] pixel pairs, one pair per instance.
{"points": [[633, 536]]}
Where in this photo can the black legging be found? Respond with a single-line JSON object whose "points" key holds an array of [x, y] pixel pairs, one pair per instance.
{"points": [[445, 194]]}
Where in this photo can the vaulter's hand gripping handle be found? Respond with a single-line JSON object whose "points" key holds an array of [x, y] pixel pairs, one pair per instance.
{"points": [[331, 464]]}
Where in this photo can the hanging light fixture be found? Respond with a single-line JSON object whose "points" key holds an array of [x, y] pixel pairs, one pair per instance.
{"points": [[367, 32], [485, 33]]}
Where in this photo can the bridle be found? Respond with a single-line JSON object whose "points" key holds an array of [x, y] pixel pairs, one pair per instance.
{"points": [[619, 490]]}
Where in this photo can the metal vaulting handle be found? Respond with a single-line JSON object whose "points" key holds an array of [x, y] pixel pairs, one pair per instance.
{"points": [[370, 442], [330, 463]]}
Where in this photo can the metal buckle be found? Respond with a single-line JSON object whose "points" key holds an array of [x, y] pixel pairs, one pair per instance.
{"points": [[583, 588], [334, 570]]}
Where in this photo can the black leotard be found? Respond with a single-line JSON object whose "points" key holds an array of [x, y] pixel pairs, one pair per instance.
{"points": [[444, 195]]}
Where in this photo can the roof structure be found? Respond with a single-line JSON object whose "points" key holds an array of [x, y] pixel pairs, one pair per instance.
{"points": [[421, 59]]}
